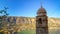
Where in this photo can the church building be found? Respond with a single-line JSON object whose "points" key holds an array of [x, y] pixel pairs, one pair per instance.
{"points": [[41, 21]]}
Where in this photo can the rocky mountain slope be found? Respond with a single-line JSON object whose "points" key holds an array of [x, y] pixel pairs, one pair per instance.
{"points": [[54, 23], [29, 22]]}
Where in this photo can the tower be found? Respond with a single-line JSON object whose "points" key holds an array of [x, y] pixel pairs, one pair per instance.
{"points": [[41, 21]]}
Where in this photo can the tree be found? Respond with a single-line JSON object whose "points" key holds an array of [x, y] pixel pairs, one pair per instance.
{"points": [[3, 17]]}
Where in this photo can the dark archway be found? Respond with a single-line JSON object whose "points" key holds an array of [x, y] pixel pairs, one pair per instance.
{"points": [[40, 21]]}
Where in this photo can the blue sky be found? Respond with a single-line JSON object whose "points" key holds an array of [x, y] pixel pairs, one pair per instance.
{"points": [[28, 8]]}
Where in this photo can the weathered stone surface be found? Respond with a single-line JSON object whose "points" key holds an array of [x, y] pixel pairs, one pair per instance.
{"points": [[30, 22]]}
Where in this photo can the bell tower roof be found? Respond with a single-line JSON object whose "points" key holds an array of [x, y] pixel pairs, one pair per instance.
{"points": [[41, 10]]}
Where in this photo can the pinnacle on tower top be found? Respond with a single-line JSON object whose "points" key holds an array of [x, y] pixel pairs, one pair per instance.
{"points": [[41, 5], [41, 9]]}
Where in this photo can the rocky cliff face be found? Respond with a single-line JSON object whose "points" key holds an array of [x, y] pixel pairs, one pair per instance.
{"points": [[30, 23], [53, 23]]}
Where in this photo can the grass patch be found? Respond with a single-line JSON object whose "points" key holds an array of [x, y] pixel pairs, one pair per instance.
{"points": [[27, 32]]}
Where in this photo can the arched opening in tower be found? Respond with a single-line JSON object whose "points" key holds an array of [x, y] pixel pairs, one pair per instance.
{"points": [[40, 21]]}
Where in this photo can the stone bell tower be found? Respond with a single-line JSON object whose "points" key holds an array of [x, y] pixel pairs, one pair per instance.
{"points": [[41, 21]]}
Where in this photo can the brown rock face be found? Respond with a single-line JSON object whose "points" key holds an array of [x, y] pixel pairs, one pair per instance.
{"points": [[52, 22], [24, 23]]}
